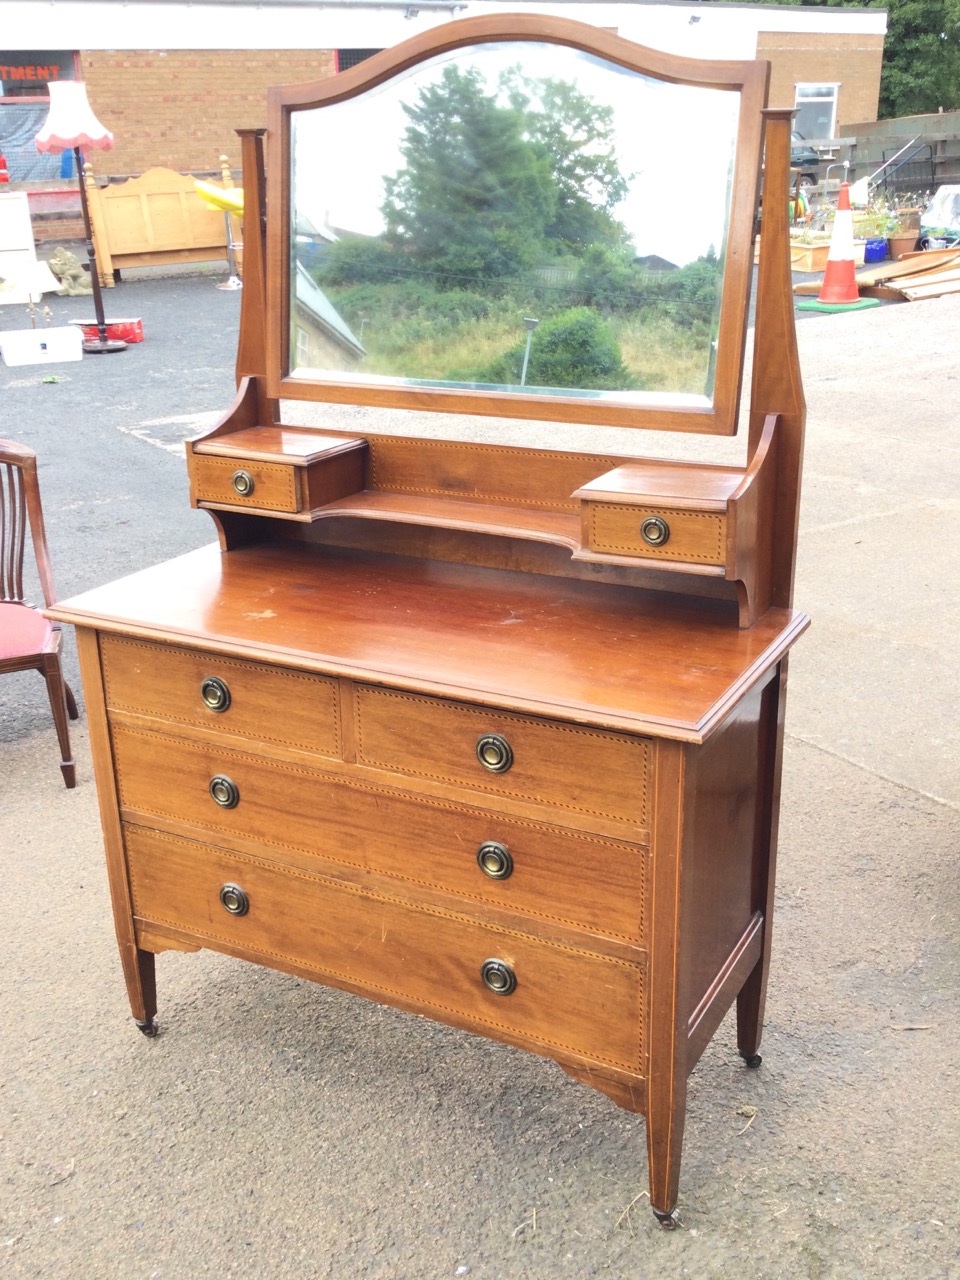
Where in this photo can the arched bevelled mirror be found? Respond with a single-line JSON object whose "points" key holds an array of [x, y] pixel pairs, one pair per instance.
{"points": [[522, 217]]}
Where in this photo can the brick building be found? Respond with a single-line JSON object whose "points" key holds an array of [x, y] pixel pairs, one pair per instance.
{"points": [[173, 80]]}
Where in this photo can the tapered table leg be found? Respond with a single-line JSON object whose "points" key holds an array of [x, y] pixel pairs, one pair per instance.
{"points": [[138, 965], [752, 998], [667, 1073], [139, 970], [750, 1003], [666, 1110]]}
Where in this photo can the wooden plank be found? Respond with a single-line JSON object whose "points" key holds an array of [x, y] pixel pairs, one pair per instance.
{"points": [[941, 254], [912, 288], [886, 292], [930, 277], [915, 264], [932, 290]]}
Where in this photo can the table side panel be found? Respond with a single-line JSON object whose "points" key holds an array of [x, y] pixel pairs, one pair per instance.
{"points": [[720, 846]]}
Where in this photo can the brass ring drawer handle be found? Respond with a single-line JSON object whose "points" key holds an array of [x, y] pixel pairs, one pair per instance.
{"points": [[494, 752], [215, 693], [655, 531], [243, 483], [234, 900], [224, 791], [498, 977], [494, 860]]}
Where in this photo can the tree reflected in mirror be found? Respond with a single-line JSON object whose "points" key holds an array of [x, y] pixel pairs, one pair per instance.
{"points": [[510, 182]]}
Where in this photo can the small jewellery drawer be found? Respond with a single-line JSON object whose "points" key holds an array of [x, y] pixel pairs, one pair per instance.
{"points": [[243, 482], [274, 705], [587, 774], [299, 815], [447, 965], [662, 533], [284, 470]]}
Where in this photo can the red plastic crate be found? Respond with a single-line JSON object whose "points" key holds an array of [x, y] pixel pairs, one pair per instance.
{"points": [[124, 330]]}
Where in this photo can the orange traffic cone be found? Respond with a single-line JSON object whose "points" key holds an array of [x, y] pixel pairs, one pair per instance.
{"points": [[4, 173], [840, 278], [839, 291]]}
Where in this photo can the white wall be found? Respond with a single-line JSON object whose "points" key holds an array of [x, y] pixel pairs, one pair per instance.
{"points": [[692, 29]]}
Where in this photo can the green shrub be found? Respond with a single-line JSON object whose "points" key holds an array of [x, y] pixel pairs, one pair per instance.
{"points": [[359, 260], [607, 278], [572, 349]]}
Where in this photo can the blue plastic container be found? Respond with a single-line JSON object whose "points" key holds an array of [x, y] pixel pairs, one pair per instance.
{"points": [[874, 251]]}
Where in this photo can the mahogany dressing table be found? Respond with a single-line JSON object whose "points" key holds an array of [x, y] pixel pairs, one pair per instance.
{"points": [[488, 732]]}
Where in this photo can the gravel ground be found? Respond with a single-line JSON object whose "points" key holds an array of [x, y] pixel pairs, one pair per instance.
{"points": [[277, 1129]]}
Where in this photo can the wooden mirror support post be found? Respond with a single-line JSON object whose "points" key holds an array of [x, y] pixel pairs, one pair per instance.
{"points": [[487, 732]]}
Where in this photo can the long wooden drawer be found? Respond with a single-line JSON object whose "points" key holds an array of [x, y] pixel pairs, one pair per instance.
{"points": [[585, 773], [566, 999], [552, 874], [274, 705]]}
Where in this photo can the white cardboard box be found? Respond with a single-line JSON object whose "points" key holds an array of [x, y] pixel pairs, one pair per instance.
{"points": [[41, 346], [18, 253]]}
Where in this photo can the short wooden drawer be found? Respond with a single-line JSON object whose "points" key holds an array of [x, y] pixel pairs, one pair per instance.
{"points": [[660, 533], [274, 705], [566, 999], [274, 469], [299, 815], [232, 482], [585, 774]]}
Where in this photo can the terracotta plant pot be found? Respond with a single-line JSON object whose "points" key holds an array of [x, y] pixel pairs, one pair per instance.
{"points": [[903, 242]]}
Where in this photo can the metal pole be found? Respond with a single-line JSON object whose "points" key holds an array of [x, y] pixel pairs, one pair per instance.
{"points": [[531, 324], [526, 359], [233, 281], [101, 345]]}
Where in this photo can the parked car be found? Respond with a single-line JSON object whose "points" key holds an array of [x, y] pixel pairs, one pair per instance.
{"points": [[804, 158]]}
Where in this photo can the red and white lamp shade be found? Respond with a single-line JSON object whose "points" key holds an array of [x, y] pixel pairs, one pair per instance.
{"points": [[72, 126]]}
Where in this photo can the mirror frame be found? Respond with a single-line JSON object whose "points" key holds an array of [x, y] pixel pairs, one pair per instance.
{"points": [[748, 78]]}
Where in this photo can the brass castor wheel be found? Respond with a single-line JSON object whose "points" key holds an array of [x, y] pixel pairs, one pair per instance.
{"points": [[752, 1060], [669, 1221], [149, 1028]]}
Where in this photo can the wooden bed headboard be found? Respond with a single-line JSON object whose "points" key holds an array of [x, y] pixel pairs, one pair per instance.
{"points": [[154, 219]]}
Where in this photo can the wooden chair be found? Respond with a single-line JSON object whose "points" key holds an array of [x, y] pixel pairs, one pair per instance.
{"points": [[28, 641]]}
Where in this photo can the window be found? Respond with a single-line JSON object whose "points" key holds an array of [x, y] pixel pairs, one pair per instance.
{"points": [[816, 110], [25, 79], [347, 58], [27, 73], [303, 347]]}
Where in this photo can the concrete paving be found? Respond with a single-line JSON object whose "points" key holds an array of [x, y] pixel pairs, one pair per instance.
{"points": [[277, 1129]]}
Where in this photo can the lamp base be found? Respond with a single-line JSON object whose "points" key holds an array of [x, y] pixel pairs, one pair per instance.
{"points": [[96, 347]]}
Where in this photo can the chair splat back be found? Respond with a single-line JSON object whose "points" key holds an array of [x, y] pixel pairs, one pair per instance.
{"points": [[20, 507], [13, 513]]}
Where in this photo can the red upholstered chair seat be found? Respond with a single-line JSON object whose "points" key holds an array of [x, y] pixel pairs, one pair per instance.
{"points": [[23, 631]]}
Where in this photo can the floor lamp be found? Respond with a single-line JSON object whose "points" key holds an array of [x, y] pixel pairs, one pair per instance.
{"points": [[72, 126]]}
